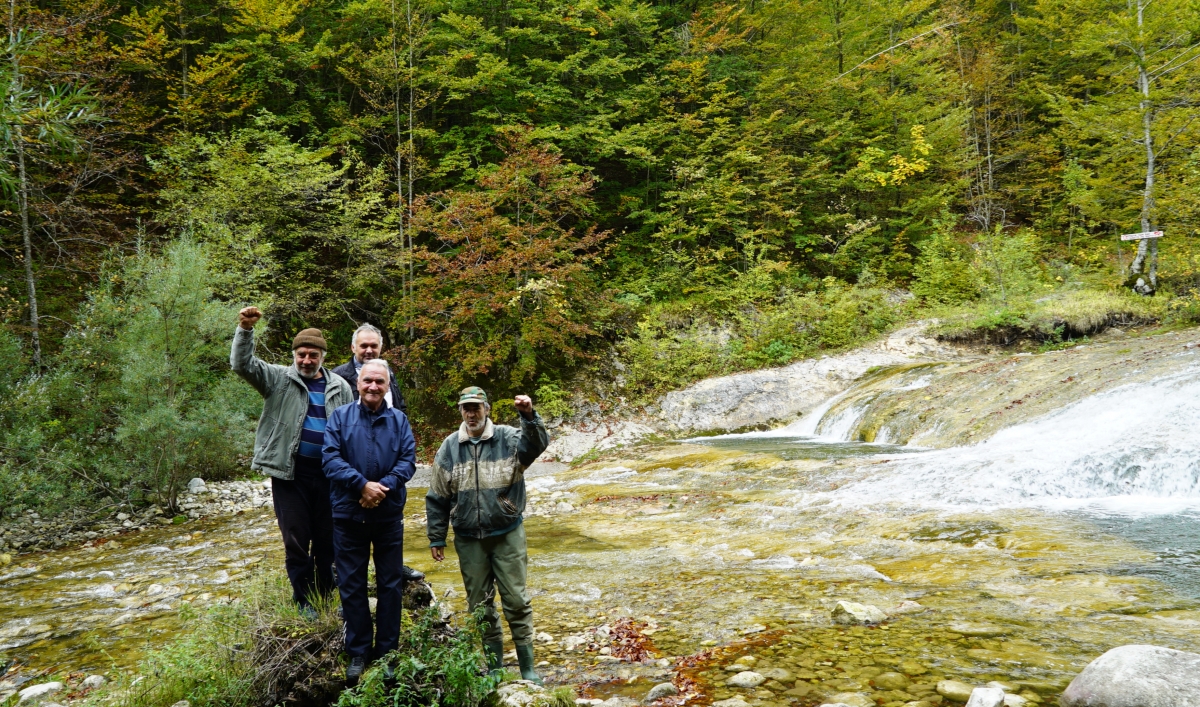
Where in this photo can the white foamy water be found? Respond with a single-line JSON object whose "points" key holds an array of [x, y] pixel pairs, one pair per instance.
{"points": [[1131, 450]]}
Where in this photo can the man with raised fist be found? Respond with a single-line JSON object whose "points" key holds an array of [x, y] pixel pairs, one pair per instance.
{"points": [[288, 445]]}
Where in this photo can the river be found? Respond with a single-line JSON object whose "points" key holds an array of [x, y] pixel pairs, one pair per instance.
{"points": [[1061, 535]]}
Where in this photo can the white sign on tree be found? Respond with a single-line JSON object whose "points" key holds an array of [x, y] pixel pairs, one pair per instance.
{"points": [[1142, 236]]}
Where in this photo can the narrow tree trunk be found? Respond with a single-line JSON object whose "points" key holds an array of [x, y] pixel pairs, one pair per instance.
{"points": [[411, 158], [406, 280], [23, 187], [1146, 247]]}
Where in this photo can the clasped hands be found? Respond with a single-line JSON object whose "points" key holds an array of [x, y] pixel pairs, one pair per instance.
{"points": [[373, 494]]}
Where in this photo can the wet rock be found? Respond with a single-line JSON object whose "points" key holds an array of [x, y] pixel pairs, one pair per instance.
{"points": [[92, 682], [986, 697], [660, 691], [848, 612], [890, 681], [852, 699], [746, 678], [978, 630], [37, 693], [563, 507], [779, 674], [1015, 701], [955, 690], [1137, 676], [521, 693], [905, 607], [182, 703], [737, 701]]}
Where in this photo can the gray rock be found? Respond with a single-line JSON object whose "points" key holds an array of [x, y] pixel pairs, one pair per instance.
{"points": [[37, 693], [1015, 701], [563, 507], [737, 701], [746, 678], [852, 699], [182, 703], [848, 612], [979, 630], [955, 690], [906, 607], [890, 681], [93, 681], [986, 697], [197, 485], [779, 674], [1137, 676], [773, 395], [658, 692]]}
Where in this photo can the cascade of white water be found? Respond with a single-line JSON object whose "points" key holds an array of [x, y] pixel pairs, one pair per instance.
{"points": [[1131, 449]]}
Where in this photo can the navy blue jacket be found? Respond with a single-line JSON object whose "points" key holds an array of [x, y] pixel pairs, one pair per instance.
{"points": [[362, 446]]}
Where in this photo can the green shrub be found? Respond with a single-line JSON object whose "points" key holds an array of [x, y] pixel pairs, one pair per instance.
{"points": [[434, 665], [944, 273]]}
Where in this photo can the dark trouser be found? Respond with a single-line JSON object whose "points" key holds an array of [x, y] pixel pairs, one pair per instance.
{"points": [[499, 562], [353, 542], [306, 521]]}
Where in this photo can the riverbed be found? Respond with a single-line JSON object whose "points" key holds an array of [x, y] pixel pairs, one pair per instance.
{"points": [[1018, 559]]}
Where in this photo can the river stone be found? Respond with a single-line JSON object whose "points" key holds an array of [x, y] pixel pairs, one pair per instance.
{"points": [[978, 630], [852, 699], [37, 692], [658, 692], [906, 607], [92, 681], [197, 485], [1137, 676], [848, 612], [891, 681], [746, 678], [1015, 701], [779, 674], [954, 690], [520, 693], [986, 697], [737, 701]]}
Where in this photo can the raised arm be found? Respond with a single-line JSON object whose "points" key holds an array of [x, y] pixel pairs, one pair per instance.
{"points": [[254, 370], [534, 438]]}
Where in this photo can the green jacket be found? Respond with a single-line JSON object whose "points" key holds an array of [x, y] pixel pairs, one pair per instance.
{"points": [[285, 403], [480, 488]]}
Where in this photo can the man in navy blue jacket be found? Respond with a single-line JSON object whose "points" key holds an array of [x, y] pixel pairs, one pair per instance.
{"points": [[368, 456]]}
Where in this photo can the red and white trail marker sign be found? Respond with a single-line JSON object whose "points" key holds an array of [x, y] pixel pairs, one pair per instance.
{"points": [[1142, 236]]}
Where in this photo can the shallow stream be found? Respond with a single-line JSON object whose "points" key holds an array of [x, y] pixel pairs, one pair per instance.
{"points": [[1029, 554]]}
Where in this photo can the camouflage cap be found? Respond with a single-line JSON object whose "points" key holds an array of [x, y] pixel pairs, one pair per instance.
{"points": [[472, 394]]}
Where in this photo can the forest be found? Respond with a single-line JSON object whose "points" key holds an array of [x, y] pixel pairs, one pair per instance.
{"points": [[593, 201]]}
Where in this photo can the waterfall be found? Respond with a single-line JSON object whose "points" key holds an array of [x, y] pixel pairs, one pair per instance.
{"points": [[1133, 449]]}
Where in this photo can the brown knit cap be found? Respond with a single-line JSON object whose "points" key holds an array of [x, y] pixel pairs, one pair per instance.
{"points": [[310, 337]]}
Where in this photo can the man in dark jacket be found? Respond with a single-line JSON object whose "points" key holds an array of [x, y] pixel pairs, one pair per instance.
{"points": [[365, 344], [369, 455], [478, 487]]}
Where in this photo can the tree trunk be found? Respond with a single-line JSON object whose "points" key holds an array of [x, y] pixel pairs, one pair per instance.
{"points": [[23, 188], [1146, 247]]}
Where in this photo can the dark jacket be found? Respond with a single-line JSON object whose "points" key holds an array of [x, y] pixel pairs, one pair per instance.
{"points": [[480, 488], [285, 403], [362, 446], [347, 371]]}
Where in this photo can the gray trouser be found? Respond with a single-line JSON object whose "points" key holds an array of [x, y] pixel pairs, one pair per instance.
{"points": [[499, 562]]}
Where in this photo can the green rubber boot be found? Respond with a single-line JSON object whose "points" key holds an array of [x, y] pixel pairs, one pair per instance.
{"points": [[495, 655], [525, 661]]}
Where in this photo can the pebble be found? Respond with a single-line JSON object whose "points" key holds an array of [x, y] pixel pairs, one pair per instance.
{"points": [[738, 701], [978, 630], [93, 681], [986, 697], [746, 678], [848, 612], [197, 485], [906, 607], [954, 690], [853, 699], [37, 692], [660, 691], [890, 681]]}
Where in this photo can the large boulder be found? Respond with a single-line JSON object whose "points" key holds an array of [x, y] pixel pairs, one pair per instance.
{"points": [[1137, 676]]}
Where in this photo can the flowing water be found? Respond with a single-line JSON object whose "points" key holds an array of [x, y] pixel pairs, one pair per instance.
{"points": [[1073, 527]]}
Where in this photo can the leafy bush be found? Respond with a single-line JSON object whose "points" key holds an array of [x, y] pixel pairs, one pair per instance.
{"points": [[944, 273], [432, 667], [139, 399], [1054, 318]]}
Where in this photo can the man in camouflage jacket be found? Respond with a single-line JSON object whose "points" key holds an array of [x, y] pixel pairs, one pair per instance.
{"points": [[478, 487]]}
